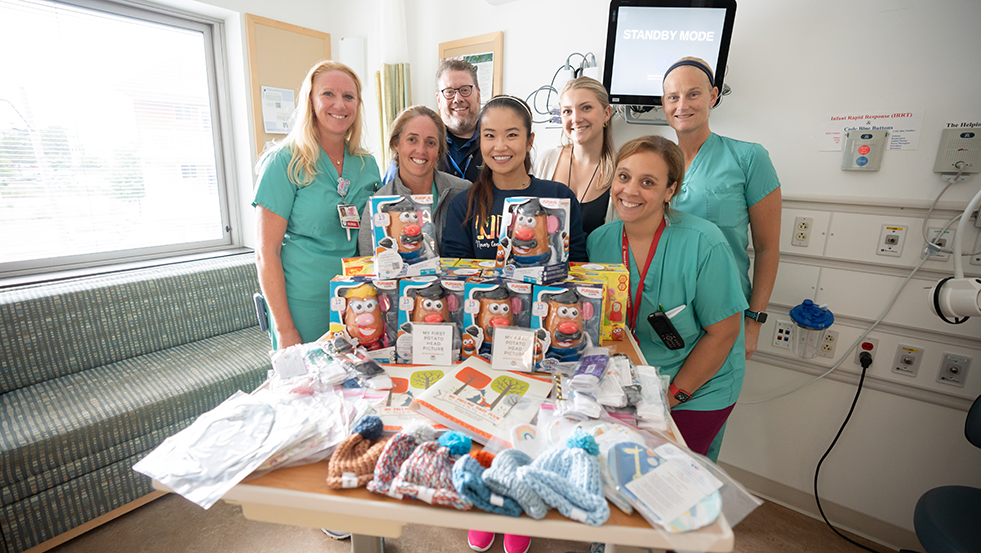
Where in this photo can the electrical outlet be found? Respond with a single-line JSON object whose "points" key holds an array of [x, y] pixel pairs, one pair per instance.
{"points": [[891, 240], [802, 231], [783, 334], [907, 360], [944, 241], [976, 259], [870, 345], [829, 344], [953, 369]]}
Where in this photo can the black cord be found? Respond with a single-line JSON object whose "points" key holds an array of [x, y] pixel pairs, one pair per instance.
{"points": [[865, 358]]}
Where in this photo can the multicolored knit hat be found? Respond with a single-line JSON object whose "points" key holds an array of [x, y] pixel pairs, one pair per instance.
{"points": [[353, 462], [428, 473], [396, 451], [569, 479], [467, 478], [502, 479]]}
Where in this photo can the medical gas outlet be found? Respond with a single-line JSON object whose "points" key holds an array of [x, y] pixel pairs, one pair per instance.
{"points": [[863, 150]]}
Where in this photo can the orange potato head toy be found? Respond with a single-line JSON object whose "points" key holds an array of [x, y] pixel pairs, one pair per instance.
{"points": [[530, 230], [497, 309], [564, 323], [405, 228], [433, 304], [364, 317]]}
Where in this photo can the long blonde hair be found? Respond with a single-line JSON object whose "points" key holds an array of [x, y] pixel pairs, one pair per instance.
{"points": [[608, 152], [303, 140]]}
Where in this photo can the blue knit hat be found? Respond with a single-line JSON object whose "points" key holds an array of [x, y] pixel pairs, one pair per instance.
{"points": [[467, 479], [501, 478], [569, 480]]}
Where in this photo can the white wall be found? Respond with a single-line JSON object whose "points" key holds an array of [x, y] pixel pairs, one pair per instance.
{"points": [[790, 64]]}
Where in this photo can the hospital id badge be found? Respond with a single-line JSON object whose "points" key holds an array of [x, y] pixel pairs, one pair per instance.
{"points": [[349, 216]]}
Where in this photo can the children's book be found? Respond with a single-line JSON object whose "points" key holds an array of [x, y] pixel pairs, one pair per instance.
{"points": [[481, 402], [408, 382]]}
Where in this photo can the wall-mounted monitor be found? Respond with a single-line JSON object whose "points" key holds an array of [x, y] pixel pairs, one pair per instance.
{"points": [[645, 37]]}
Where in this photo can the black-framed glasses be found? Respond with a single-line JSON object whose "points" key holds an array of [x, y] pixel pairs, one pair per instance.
{"points": [[465, 90]]}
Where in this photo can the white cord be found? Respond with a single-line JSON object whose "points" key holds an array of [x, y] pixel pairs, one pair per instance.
{"points": [[850, 349]]}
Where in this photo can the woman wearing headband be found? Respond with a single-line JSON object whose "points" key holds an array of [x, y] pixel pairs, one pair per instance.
{"points": [[473, 220], [585, 164], [729, 182]]}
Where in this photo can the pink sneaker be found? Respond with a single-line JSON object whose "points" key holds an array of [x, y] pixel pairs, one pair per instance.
{"points": [[516, 544], [480, 541]]}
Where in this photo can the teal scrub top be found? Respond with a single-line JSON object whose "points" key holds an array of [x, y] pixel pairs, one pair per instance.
{"points": [[727, 177], [314, 243], [694, 267]]}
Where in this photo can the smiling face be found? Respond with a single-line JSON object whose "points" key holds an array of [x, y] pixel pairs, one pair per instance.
{"points": [[505, 141], [335, 103], [418, 149], [363, 316], [459, 113], [688, 95], [640, 188], [583, 116]]}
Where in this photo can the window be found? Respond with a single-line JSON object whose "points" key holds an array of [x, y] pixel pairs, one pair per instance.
{"points": [[109, 136]]}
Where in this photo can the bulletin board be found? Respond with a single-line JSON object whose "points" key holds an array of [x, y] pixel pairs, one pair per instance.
{"points": [[280, 55], [492, 43]]}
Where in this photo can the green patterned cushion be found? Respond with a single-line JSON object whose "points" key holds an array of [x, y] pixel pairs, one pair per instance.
{"points": [[81, 416], [57, 329]]}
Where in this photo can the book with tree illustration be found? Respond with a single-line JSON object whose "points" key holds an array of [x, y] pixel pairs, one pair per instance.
{"points": [[408, 382], [482, 402]]}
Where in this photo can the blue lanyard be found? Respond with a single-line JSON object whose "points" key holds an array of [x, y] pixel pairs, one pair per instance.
{"points": [[463, 173]]}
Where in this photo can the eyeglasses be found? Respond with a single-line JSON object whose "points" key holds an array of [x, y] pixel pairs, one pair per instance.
{"points": [[464, 91]]}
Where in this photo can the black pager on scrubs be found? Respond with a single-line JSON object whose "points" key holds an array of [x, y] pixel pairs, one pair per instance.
{"points": [[665, 330]]}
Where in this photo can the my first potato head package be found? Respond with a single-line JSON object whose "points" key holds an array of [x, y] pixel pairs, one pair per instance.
{"points": [[534, 243], [403, 236], [429, 300]]}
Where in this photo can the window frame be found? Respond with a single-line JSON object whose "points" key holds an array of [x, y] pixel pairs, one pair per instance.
{"points": [[215, 51]]}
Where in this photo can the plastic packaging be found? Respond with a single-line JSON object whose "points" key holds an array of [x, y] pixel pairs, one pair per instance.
{"points": [[592, 368]]}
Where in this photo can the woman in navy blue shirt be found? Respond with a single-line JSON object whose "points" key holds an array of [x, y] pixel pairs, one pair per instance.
{"points": [[473, 220]]}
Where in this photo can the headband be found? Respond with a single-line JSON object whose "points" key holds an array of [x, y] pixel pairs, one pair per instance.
{"points": [[693, 63], [518, 100]]}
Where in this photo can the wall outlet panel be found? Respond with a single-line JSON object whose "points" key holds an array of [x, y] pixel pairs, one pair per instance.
{"points": [[870, 345], [783, 334], [829, 344], [907, 361], [802, 231], [944, 241], [891, 240], [953, 369]]}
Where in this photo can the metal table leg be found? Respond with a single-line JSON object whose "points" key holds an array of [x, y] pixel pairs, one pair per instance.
{"points": [[367, 544]]}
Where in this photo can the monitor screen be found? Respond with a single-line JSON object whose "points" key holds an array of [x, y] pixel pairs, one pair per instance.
{"points": [[645, 37]]}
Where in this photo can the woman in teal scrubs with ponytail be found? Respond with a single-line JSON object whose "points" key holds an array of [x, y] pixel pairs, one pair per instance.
{"points": [[303, 181]]}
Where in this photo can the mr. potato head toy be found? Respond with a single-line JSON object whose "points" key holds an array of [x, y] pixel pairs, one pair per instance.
{"points": [[564, 324], [528, 236], [497, 309], [433, 304], [364, 318], [404, 232]]}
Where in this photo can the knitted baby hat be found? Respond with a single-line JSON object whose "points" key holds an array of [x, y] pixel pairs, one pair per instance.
{"points": [[396, 451], [353, 462], [501, 478], [428, 472], [569, 479], [467, 478]]}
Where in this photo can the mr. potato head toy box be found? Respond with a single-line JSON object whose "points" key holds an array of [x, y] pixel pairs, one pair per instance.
{"points": [[616, 283], [492, 303], [569, 313], [534, 243], [403, 235], [429, 300], [364, 310]]}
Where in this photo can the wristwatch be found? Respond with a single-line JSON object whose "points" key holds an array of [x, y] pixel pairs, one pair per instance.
{"points": [[679, 394], [758, 316]]}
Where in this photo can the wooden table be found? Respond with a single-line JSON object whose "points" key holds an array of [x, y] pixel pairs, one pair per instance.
{"points": [[299, 496]]}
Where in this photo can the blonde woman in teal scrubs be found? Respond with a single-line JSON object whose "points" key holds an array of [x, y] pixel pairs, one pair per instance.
{"points": [[303, 182]]}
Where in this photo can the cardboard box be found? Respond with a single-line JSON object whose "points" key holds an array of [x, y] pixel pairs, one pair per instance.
{"points": [[616, 287], [403, 236], [534, 243]]}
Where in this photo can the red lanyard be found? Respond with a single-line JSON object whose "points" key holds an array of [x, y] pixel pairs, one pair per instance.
{"points": [[634, 307]]}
